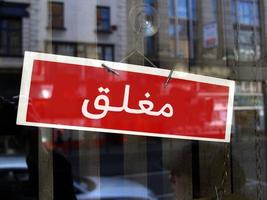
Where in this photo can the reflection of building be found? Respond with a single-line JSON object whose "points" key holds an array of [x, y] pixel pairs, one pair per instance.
{"points": [[249, 108], [70, 29], [220, 38], [111, 29], [60, 27], [18, 32], [209, 34]]}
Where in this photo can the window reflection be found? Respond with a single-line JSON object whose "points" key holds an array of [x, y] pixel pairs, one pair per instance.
{"points": [[61, 48], [103, 19], [248, 12], [56, 15], [217, 38], [182, 16], [105, 52], [249, 46], [247, 31], [10, 37]]}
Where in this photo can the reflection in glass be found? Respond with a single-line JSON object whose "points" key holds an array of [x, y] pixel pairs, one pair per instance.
{"points": [[218, 38]]}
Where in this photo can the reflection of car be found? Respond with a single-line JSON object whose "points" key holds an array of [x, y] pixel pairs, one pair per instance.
{"points": [[249, 189], [14, 177], [13, 169], [252, 184], [111, 188]]}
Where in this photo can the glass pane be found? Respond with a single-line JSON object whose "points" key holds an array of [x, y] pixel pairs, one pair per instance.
{"points": [[103, 18], [105, 25], [104, 13], [248, 12], [11, 33], [15, 43], [206, 38], [65, 49], [56, 14], [3, 42], [171, 7], [182, 9], [108, 53], [172, 30], [100, 52], [14, 25]]}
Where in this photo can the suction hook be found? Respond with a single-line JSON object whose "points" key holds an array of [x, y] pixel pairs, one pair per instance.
{"points": [[144, 20]]}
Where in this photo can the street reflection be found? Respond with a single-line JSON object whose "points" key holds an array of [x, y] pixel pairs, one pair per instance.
{"points": [[224, 39]]}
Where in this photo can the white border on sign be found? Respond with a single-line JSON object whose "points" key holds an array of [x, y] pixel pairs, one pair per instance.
{"points": [[29, 57]]}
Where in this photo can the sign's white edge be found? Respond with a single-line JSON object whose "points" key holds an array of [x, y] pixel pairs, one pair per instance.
{"points": [[230, 110], [137, 133], [25, 86], [29, 57]]}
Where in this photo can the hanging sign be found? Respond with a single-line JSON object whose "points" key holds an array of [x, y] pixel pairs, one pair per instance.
{"points": [[80, 94], [210, 35]]}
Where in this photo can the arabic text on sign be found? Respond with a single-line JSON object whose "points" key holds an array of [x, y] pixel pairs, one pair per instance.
{"points": [[146, 106]]}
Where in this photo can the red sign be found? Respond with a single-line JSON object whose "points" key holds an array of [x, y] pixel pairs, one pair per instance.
{"points": [[78, 93]]}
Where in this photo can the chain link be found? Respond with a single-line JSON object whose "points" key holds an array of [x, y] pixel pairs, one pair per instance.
{"points": [[258, 152], [236, 45], [222, 190], [258, 145]]}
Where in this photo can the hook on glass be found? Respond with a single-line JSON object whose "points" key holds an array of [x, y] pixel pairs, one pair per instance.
{"points": [[109, 69], [169, 77]]}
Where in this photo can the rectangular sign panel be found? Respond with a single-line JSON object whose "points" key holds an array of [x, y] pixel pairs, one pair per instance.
{"points": [[210, 35], [80, 94]]}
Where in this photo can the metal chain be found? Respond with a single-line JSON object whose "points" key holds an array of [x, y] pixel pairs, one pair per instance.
{"points": [[223, 186], [258, 152], [221, 191], [258, 146], [255, 11], [236, 44]]}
